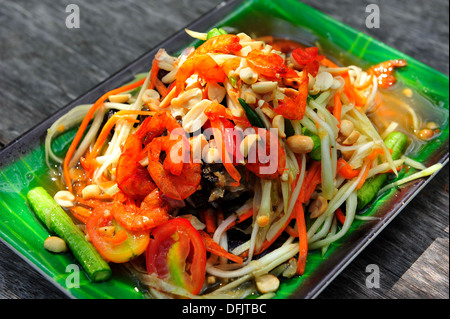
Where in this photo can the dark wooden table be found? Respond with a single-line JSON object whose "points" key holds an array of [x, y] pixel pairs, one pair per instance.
{"points": [[44, 65]]}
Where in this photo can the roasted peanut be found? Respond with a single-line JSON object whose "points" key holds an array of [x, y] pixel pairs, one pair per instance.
{"points": [[198, 143], [188, 99], [300, 144], [278, 123], [264, 87], [352, 138], [267, 283], [149, 95], [64, 198], [211, 156], [324, 81], [268, 111], [55, 245], [248, 76], [346, 128], [318, 206], [196, 117], [91, 191], [216, 92], [119, 98]]}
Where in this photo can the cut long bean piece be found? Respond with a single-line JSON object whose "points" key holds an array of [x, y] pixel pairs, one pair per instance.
{"points": [[395, 141], [58, 222]]}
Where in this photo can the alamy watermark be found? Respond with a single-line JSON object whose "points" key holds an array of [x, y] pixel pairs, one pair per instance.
{"points": [[373, 279], [373, 17], [73, 279], [73, 17]]}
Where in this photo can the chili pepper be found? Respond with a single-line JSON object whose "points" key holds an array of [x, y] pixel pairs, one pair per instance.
{"points": [[251, 115]]}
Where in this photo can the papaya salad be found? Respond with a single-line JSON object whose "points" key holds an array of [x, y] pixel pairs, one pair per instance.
{"points": [[214, 174]]}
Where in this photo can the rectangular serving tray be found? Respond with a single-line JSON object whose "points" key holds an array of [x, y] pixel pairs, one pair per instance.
{"points": [[22, 164]]}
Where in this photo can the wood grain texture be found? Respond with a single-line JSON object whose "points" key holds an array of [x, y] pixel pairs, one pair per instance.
{"points": [[44, 65]]}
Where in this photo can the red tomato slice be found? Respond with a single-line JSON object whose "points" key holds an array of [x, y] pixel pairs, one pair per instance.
{"points": [[176, 252], [123, 245]]}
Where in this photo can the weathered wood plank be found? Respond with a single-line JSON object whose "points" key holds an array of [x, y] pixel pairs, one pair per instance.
{"points": [[426, 277]]}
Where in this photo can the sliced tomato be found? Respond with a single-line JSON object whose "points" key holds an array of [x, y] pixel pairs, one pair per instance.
{"points": [[176, 253], [118, 246]]}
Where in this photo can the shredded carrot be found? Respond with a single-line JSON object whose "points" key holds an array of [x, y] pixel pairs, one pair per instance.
{"points": [[220, 217], [312, 186], [93, 202], [216, 249], [365, 173], [153, 74], [353, 95], [240, 218], [291, 231], [83, 162], [360, 100], [225, 157], [205, 91], [348, 88], [85, 123], [171, 94], [367, 164], [107, 129], [161, 87], [210, 220], [267, 243], [340, 216], [81, 213], [337, 110], [298, 213], [311, 180], [302, 237], [345, 170]]}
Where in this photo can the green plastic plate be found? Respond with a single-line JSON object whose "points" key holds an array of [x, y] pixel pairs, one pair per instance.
{"points": [[22, 164]]}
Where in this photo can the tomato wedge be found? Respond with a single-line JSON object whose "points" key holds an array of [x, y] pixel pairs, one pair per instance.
{"points": [[119, 245], [176, 253]]}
